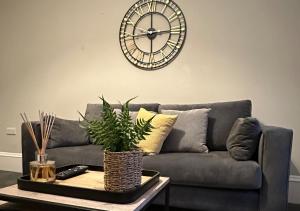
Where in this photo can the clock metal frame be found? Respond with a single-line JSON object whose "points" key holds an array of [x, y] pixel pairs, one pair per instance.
{"points": [[179, 31]]}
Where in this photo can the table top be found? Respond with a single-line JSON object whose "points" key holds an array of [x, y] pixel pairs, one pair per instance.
{"points": [[12, 192]]}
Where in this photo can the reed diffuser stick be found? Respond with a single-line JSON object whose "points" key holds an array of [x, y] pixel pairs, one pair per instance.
{"points": [[46, 122], [30, 130], [50, 125], [43, 121], [42, 124], [47, 126]]}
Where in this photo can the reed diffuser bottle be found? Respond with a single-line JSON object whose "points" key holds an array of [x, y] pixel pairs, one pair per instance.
{"points": [[41, 169]]}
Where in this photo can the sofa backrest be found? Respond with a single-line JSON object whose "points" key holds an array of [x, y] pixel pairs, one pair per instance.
{"points": [[93, 111], [220, 119]]}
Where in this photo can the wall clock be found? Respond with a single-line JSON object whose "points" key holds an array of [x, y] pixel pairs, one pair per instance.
{"points": [[152, 33]]}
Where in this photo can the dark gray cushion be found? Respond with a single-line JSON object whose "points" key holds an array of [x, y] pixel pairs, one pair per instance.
{"points": [[243, 139], [93, 111], [215, 169], [67, 133], [189, 131], [87, 155], [220, 119]]}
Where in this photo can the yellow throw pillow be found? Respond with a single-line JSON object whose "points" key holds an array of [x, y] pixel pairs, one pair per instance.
{"points": [[162, 124]]}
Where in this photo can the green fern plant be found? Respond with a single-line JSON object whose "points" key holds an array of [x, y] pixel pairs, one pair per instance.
{"points": [[117, 133]]}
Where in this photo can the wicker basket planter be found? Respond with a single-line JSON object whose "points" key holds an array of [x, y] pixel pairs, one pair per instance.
{"points": [[122, 170]]}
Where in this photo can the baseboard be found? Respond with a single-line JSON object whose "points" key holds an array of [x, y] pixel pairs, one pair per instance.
{"points": [[294, 178], [10, 161], [294, 189]]}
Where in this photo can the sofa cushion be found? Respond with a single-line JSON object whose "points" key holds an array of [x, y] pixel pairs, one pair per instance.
{"points": [[87, 155], [67, 133], [242, 142], [132, 114], [189, 131], [215, 169], [220, 119], [93, 111]]}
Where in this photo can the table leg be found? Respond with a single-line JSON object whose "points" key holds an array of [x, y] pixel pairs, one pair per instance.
{"points": [[167, 197]]}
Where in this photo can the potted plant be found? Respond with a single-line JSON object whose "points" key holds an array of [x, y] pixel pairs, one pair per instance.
{"points": [[119, 136]]}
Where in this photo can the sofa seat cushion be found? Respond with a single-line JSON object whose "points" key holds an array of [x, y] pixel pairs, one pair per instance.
{"points": [[87, 155], [215, 169]]}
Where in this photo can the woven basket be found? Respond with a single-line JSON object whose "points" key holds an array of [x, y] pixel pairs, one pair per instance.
{"points": [[122, 170]]}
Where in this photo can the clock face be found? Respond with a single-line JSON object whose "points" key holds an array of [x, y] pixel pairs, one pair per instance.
{"points": [[152, 33]]}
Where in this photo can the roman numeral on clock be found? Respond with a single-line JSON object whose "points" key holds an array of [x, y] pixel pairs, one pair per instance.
{"points": [[151, 58], [172, 44], [151, 6], [174, 16], [131, 48], [127, 36], [165, 7], [163, 55], [139, 10], [140, 56], [176, 29], [130, 22]]}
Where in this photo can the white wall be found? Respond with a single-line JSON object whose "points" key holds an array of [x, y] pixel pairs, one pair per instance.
{"points": [[58, 55]]}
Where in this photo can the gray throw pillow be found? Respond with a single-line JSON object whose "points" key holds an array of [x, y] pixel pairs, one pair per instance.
{"points": [[189, 131], [243, 139], [132, 114], [67, 133]]}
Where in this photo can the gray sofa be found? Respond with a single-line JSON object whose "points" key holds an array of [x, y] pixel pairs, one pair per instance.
{"points": [[203, 181]]}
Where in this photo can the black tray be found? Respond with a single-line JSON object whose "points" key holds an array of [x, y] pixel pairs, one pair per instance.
{"points": [[24, 183]]}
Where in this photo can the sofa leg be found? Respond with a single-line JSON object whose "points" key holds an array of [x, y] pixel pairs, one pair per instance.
{"points": [[167, 198]]}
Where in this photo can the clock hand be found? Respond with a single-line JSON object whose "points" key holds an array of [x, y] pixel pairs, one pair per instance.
{"points": [[140, 35], [151, 23], [174, 30], [163, 32], [151, 48], [147, 33], [135, 35], [141, 29]]}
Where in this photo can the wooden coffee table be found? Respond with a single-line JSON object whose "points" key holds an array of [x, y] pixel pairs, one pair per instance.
{"points": [[13, 194]]}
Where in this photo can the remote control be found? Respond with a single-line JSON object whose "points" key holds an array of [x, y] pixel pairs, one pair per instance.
{"points": [[75, 171]]}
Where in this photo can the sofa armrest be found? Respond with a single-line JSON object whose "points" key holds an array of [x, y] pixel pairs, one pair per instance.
{"points": [[274, 157], [28, 148]]}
